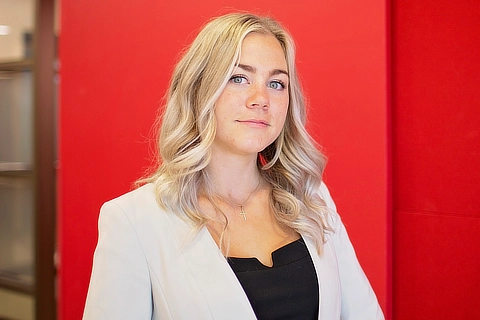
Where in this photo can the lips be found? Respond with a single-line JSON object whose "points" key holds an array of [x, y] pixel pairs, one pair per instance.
{"points": [[255, 122]]}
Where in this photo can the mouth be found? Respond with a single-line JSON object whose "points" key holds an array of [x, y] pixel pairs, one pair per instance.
{"points": [[255, 122]]}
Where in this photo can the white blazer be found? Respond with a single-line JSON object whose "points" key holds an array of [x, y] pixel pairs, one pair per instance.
{"points": [[148, 265]]}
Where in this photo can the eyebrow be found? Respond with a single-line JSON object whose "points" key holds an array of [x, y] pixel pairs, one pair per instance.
{"points": [[254, 70]]}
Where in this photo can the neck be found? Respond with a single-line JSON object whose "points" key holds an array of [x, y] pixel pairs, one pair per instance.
{"points": [[234, 200], [233, 178]]}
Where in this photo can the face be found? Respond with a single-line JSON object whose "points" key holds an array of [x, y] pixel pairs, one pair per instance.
{"points": [[252, 108]]}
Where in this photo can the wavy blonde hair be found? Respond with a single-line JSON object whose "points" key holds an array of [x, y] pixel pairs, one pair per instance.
{"points": [[292, 165]]}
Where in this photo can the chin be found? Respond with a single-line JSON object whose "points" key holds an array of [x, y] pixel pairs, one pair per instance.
{"points": [[256, 148]]}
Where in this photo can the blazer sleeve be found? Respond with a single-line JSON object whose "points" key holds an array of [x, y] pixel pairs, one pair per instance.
{"points": [[120, 283], [358, 298]]}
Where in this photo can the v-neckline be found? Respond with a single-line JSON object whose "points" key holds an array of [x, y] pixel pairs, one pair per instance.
{"points": [[285, 254]]}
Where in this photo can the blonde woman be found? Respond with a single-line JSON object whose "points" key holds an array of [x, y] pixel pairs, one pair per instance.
{"points": [[235, 223]]}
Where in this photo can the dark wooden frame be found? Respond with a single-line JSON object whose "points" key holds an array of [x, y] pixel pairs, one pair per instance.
{"points": [[45, 160]]}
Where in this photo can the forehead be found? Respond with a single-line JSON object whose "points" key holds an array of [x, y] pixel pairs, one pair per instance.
{"points": [[262, 49]]}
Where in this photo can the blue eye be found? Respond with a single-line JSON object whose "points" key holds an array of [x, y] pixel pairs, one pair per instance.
{"points": [[238, 79], [276, 85]]}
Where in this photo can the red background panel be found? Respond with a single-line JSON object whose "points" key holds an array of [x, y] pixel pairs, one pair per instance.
{"points": [[437, 267], [116, 60], [436, 121], [437, 108]]}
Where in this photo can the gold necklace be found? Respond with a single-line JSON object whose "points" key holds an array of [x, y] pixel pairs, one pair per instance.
{"points": [[242, 206]]}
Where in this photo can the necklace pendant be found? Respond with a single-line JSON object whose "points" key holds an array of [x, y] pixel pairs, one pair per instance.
{"points": [[243, 213]]}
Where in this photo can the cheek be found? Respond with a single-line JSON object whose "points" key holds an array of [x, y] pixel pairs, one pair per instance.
{"points": [[282, 114], [280, 122], [284, 102]]}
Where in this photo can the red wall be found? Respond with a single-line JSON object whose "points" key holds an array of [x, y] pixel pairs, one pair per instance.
{"points": [[436, 118], [116, 58]]}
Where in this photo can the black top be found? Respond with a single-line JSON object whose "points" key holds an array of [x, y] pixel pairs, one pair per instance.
{"points": [[287, 290]]}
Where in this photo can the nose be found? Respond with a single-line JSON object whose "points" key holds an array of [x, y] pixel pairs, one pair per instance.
{"points": [[258, 97]]}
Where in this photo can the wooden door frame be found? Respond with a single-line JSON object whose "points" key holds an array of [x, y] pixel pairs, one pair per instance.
{"points": [[45, 160]]}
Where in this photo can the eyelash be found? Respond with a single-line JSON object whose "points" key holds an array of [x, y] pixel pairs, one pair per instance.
{"points": [[238, 76], [282, 85], [241, 76]]}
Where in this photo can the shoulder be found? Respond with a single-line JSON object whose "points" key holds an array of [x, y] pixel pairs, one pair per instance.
{"points": [[138, 207], [325, 195], [144, 194], [331, 213], [137, 201]]}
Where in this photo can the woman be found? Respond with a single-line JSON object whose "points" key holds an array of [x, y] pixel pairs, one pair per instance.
{"points": [[235, 223]]}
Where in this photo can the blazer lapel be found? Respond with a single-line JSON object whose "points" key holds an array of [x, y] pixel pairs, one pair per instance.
{"points": [[328, 280], [220, 288]]}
